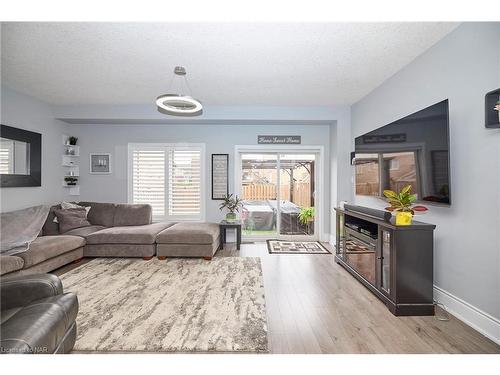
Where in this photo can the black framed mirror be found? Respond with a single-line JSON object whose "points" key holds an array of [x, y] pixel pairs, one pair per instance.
{"points": [[20, 157]]}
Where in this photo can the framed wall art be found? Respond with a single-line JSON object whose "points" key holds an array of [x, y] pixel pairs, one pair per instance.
{"points": [[220, 178], [100, 163]]}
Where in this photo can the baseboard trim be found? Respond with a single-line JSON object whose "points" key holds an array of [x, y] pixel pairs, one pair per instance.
{"points": [[481, 321]]}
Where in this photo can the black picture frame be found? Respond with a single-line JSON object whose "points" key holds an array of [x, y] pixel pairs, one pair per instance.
{"points": [[227, 176], [35, 142]]}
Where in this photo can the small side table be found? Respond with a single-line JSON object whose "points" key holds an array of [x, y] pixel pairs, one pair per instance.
{"points": [[223, 225]]}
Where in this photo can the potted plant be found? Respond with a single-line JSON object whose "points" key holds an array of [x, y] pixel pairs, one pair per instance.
{"points": [[402, 204], [232, 204], [70, 181], [72, 140], [306, 216], [497, 108]]}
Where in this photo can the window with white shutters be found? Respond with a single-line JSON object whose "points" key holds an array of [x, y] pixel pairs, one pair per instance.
{"points": [[148, 179], [169, 178], [184, 183]]}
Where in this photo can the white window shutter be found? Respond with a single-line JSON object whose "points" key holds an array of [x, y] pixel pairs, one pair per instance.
{"points": [[148, 185], [6, 157], [184, 183]]}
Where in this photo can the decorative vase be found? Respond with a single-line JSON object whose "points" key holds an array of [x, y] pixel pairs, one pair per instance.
{"points": [[403, 218], [231, 216]]}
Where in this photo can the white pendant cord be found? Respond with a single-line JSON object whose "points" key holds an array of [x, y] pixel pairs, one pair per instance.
{"points": [[188, 87], [178, 83]]}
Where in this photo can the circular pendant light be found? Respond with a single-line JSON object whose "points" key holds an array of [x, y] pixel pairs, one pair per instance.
{"points": [[177, 104]]}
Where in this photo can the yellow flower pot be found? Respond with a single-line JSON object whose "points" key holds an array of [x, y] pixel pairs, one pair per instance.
{"points": [[403, 218]]}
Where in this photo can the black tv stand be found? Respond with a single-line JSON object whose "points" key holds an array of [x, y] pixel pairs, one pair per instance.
{"points": [[394, 262]]}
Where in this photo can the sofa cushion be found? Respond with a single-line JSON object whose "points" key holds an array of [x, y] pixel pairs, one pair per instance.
{"points": [[140, 234], [186, 233], [71, 218], [50, 228], [10, 263], [132, 214], [100, 213], [48, 247], [68, 205], [84, 231]]}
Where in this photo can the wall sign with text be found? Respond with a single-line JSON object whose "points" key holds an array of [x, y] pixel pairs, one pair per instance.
{"points": [[384, 138], [279, 139], [220, 179]]}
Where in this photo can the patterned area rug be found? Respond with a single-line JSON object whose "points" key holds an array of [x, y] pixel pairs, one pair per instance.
{"points": [[295, 247], [178, 305]]}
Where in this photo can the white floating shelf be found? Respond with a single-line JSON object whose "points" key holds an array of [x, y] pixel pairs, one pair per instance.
{"points": [[70, 162], [74, 190]]}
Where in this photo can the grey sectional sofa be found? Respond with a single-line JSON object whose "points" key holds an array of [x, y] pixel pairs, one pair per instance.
{"points": [[117, 230]]}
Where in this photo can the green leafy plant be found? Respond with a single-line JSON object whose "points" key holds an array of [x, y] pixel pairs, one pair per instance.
{"points": [[70, 180], [230, 203], [72, 140], [306, 215], [403, 201]]}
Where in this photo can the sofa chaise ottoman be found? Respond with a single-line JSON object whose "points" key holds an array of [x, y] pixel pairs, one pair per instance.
{"points": [[124, 241], [188, 240]]}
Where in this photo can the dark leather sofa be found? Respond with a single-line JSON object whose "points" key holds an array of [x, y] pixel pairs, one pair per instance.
{"points": [[36, 316]]}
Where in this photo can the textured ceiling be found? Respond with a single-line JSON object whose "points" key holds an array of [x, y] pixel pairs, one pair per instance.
{"points": [[227, 63]]}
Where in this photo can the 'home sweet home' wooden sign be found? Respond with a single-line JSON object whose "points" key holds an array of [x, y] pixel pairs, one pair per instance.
{"points": [[279, 139]]}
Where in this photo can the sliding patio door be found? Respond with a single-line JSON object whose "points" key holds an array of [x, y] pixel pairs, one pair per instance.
{"points": [[279, 192], [296, 205]]}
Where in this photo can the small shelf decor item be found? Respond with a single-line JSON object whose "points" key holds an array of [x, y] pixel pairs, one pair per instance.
{"points": [[233, 205], [100, 163], [72, 141], [220, 180], [492, 109], [402, 204], [70, 181]]}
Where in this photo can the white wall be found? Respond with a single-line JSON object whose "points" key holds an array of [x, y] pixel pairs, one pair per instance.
{"points": [[462, 67], [21, 111], [218, 139]]}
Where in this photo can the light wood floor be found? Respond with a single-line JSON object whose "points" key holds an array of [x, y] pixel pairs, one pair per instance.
{"points": [[314, 306]]}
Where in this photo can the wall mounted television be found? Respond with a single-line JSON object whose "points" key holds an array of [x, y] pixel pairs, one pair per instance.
{"points": [[411, 151]]}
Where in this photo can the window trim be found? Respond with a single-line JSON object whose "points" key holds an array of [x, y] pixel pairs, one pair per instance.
{"points": [[165, 147]]}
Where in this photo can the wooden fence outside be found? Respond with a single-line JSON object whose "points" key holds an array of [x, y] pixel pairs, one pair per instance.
{"points": [[301, 193]]}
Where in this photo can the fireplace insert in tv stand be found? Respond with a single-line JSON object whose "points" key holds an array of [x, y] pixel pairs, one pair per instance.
{"points": [[394, 262]]}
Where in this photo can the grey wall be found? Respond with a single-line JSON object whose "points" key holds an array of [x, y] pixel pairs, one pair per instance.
{"points": [[25, 112], [218, 139], [462, 67]]}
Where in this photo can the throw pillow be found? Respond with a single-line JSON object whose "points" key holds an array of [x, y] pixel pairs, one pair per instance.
{"points": [[71, 218], [68, 205]]}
